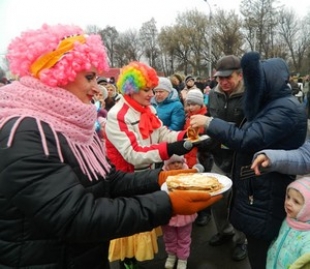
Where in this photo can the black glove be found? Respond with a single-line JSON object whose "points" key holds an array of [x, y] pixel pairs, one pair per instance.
{"points": [[208, 144], [179, 148]]}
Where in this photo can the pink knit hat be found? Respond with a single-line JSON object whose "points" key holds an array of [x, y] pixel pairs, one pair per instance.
{"points": [[174, 158], [303, 186]]}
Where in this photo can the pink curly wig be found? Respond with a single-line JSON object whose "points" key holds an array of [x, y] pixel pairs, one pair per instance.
{"points": [[25, 50], [136, 76]]}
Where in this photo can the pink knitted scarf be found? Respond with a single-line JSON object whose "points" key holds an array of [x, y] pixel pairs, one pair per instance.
{"points": [[298, 225], [64, 113]]}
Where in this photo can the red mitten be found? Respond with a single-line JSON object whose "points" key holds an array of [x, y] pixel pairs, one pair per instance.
{"points": [[164, 174], [190, 202]]}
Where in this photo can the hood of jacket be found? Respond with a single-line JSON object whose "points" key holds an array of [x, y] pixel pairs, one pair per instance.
{"points": [[264, 80]]}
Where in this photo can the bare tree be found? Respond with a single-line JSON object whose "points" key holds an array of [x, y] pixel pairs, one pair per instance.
{"points": [[187, 43], [305, 35], [259, 23], [184, 47], [126, 48], [227, 34], [166, 43], [296, 40], [190, 40], [148, 36], [92, 29], [196, 25], [109, 35]]}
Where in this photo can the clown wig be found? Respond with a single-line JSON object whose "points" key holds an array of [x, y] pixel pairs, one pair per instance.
{"points": [[55, 54], [136, 76]]}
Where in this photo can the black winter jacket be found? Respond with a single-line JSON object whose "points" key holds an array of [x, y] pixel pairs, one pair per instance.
{"points": [[230, 109], [275, 120], [52, 216]]}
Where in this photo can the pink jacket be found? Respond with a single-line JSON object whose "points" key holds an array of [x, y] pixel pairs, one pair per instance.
{"points": [[181, 220]]}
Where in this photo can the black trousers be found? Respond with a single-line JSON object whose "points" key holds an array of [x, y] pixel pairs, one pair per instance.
{"points": [[257, 252]]}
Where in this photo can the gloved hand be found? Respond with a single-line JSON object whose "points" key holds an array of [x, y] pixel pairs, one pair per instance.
{"points": [[208, 144], [164, 174], [179, 147], [190, 202]]}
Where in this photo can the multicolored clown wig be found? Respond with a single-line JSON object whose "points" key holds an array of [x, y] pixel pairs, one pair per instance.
{"points": [[55, 54], [136, 76]]}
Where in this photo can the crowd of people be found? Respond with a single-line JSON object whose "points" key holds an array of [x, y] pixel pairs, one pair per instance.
{"points": [[83, 158]]}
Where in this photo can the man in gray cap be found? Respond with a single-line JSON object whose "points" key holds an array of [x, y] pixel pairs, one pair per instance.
{"points": [[225, 102], [227, 65]]}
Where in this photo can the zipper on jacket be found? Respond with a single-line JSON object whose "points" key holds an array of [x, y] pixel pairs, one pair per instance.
{"points": [[251, 199], [251, 193], [225, 106], [279, 248]]}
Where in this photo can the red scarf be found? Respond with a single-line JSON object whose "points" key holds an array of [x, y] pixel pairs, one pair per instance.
{"points": [[148, 120]]}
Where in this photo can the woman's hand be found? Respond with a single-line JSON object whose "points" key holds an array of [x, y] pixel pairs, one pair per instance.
{"points": [[190, 202], [260, 161]]}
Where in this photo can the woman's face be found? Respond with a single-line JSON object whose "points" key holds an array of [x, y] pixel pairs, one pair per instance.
{"points": [[175, 81], [143, 97], [111, 90], [99, 97], [84, 86], [190, 83], [294, 201], [161, 95]]}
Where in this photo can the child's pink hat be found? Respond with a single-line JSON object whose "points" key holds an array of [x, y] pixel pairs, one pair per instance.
{"points": [[303, 186]]}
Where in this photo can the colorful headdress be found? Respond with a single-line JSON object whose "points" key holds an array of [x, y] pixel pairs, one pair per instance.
{"points": [[136, 76], [55, 54]]}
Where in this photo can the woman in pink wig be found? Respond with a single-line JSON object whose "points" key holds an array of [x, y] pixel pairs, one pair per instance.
{"points": [[61, 201]]}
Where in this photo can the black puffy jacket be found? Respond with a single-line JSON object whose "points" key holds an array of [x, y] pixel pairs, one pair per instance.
{"points": [[52, 216]]}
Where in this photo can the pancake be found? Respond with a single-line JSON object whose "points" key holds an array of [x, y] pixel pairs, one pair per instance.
{"points": [[193, 182]]}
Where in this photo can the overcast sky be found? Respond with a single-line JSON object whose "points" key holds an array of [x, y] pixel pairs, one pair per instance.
{"points": [[19, 15]]}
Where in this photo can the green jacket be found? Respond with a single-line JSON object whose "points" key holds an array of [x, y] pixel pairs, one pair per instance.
{"points": [[302, 262]]}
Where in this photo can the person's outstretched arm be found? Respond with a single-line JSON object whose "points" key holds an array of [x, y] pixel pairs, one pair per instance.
{"points": [[295, 162]]}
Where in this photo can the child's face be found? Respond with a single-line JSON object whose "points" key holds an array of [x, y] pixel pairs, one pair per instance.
{"points": [[192, 107], [294, 201], [175, 165]]}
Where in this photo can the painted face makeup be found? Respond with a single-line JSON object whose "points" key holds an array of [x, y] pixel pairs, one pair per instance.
{"points": [[84, 86]]}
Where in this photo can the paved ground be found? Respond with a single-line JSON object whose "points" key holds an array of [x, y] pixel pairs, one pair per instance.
{"points": [[202, 255]]}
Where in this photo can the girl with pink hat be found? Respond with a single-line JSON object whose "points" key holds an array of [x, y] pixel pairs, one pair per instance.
{"points": [[291, 249]]}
